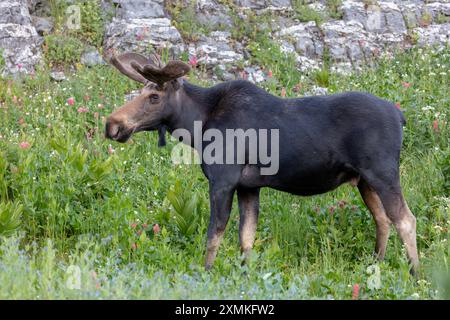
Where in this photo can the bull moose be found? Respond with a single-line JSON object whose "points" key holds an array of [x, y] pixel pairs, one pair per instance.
{"points": [[324, 141]]}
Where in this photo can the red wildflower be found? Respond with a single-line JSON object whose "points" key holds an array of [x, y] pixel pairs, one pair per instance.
{"points": [[134, 225], [156, 229], [193, 61], [82, 110], [139, 232], [436, 125], [144, 225], [283, 92], [71, 101], [269, 74], [24, 145], [397, 104], [355, 292]]}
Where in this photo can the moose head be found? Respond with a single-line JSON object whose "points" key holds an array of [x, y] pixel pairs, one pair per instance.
{"points": [[157, 100]]}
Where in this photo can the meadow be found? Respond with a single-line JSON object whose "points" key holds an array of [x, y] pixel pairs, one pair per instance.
{"points": [[85, 217]]}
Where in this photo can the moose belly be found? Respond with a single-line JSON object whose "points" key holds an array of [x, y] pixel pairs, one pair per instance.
{"points": [[300, 182]]}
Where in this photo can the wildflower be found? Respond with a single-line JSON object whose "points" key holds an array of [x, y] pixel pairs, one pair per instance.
{"points": [[436, 126], [20, 66], [397, 104], [24, 145], [355, 292], [134, 225], [354, 208], [71, 101], [82, 110], [342, 203], [21, 121], [332, 209], [139, 232], [283, 92], [134, 246], [111, 150], [406, 84], [86, 98], [269, 74], [100, 106], [156, 229], [193, 61], [139, 37], [15, 100], [144, 225]]}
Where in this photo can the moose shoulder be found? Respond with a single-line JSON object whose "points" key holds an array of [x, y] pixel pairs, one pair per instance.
{"points": [[321, 142]]}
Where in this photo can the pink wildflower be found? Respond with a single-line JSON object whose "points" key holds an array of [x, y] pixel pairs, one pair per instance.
{"points": [[355, 292], [406, 84], [156, 229], [82, 110], [71, 101], [193, 61], [24, 145]]}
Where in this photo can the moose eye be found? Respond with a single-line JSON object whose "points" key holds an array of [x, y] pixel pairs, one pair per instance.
{"points": [[154, 98]]}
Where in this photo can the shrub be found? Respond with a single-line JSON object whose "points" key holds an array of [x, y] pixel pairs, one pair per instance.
{"points": [[62, 49]]}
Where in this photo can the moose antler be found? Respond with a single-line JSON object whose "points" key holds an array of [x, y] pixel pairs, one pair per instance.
{"points": [[142, 69], [172, 70], [123, 64]]}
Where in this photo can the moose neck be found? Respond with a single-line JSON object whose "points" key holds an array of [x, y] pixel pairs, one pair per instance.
{"points": [[194, 104]]}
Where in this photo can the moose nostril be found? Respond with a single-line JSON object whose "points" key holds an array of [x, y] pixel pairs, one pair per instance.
{"points": [[112, 130]]}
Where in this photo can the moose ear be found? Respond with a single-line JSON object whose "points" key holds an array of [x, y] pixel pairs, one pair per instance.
{"points": [[124, 63], [171, 71]]}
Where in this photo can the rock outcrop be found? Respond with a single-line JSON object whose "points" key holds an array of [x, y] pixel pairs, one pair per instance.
{"points": [[366, 29], [19, 42]]}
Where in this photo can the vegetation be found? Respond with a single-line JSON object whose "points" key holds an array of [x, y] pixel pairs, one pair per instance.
{"points": [[62, 49], [66, 45], [83, 217]]}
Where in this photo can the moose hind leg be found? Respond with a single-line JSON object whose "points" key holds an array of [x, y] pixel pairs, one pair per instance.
{"points": [[248, 200], [382, 222], [221, 199], [404, 221]]}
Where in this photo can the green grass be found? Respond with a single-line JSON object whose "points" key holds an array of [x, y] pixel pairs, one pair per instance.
{"points": [[70, 205]]}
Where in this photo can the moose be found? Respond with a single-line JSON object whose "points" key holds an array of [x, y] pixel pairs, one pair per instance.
{"points": [[324, 142]]}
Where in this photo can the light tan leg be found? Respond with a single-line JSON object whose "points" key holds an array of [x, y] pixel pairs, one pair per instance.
{"points": [[382, 222], [406, 228], [249, 211]]}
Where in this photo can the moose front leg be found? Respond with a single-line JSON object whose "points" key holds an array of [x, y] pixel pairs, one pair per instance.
{"points": [[221, 198], [248, 200]]}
